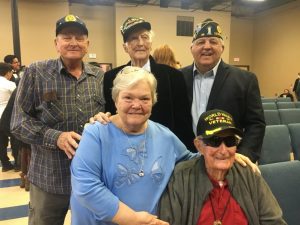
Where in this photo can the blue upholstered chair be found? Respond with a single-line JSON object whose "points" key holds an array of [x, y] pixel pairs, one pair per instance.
{"points": [[284, 181], [294, 129], [268, 100], [269, 105], [276, 145], [285, 105], [288, 99], [272, 117], [288, 116]]}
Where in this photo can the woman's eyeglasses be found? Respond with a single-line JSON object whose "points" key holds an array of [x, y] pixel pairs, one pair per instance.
{"points": [[216, 141]]}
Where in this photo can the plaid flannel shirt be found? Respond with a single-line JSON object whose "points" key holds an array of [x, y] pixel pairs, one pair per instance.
{"points": [[50, 101]]}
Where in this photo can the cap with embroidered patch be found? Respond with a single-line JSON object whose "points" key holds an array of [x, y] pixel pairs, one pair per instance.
{"points": [[208, 28], [70, 20], [132, 23], [214, 121]]}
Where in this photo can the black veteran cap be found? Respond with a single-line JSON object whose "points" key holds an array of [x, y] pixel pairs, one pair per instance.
{"points": [[132, 23], [208, 28], [214, 121], [70, 20]]}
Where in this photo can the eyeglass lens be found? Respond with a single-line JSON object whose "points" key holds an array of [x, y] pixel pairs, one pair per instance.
{"points": [[216, 141]]}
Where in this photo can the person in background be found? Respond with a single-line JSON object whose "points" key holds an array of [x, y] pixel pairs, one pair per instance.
{"points": [[6, 89], [286, 94], [296, 87], [14, 61], [171, 109], [212, 189], [213, 84], [22, 157], [54, 100], [165, 55]]}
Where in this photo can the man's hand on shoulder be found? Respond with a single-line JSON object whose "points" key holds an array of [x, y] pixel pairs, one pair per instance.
{"points": [[101, 117]]}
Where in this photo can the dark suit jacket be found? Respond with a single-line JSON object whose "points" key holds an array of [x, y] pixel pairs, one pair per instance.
{"points": [[237, 92], [172, 108]]}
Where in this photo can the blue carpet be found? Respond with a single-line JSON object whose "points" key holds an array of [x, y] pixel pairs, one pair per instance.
{"points": [[9, 183], [13, 212]]}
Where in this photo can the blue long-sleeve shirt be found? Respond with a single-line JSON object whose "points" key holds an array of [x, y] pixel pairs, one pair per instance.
{"points": [[106, 167]]}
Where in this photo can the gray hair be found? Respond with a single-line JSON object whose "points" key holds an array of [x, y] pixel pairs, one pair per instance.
{"points": [[130, 76]]}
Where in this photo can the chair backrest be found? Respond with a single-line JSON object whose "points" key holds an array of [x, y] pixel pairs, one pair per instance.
{"points": [[297, 104], [285, 105], [272, 117], [288, 99], [288, 116], [269, 105], [276, 145], [268, 99], [294, 129], [284, 181]]}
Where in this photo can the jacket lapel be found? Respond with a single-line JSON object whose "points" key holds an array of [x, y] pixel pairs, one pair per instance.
{"points": [[221, 76]]}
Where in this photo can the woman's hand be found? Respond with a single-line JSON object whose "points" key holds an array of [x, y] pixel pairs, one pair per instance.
{"points": [[101, 117], [244, 161], [144, 218], [127, 216]]}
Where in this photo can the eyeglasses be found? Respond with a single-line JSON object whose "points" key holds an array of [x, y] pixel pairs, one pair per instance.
{"points": [[216, 141]]}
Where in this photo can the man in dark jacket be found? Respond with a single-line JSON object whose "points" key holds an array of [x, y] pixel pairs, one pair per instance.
{"points": [[171, 109], [213, 84]]}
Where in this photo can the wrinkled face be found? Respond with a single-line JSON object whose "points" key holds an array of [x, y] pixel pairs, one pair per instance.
{"points": [[207, 52], [134, 105], [138, 45], [15, 64], [72, 43], [219, 158]]}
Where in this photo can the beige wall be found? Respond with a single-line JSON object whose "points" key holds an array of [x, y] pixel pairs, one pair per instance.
{"points": [[6, 46], [241, 42], [276, 49]]}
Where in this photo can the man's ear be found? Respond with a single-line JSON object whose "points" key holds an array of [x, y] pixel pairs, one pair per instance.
{"points": [[199, 145], [55, 44], [223, 47], [125, 46]]}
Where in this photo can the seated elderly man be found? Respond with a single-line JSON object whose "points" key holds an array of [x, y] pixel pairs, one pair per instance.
{"points": [[213, 189]]}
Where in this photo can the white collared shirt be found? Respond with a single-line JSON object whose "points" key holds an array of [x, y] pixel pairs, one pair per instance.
{"points": [[6, 88], [202, 84], [146, 66]]}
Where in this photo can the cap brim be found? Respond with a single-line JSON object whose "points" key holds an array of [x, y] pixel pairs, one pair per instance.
{"points": [[144, 25], [233, 130], [75, 24]]}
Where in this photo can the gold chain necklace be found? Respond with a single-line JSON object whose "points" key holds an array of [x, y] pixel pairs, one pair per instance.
{"points": [[218, 221], [140, 172]]}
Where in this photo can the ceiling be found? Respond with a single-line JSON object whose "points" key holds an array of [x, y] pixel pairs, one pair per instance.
{"points": [[238, 8]]}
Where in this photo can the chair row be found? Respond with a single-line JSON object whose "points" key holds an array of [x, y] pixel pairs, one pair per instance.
{"points": [[276, 99], [282, 116], [280, 105], [284, 181], [278, 143]]}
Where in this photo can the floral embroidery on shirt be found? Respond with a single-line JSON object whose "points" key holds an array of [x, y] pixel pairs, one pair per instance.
{"points": [[157, 171], [137, 154], [125, 175]]}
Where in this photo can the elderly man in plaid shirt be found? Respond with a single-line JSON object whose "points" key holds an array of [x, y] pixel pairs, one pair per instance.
{"points": [[55, 99]]}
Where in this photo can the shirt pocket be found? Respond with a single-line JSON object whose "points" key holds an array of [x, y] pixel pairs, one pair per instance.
{"points": [[52, 112]]}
